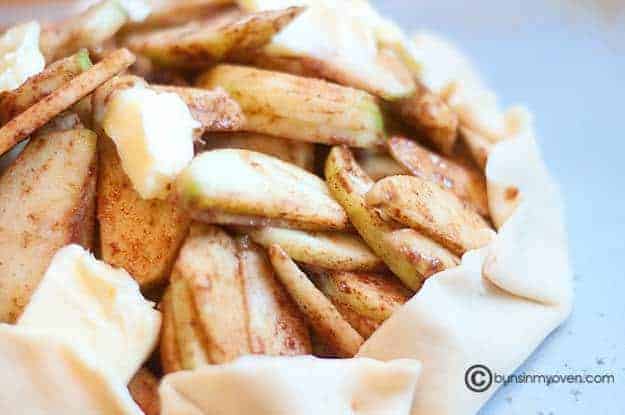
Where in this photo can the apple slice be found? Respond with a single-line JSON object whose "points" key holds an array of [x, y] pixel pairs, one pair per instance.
{"points": [[410, 255], [298, 153], [379, 165], [466, 182], [143, 388], [168, 346], [141, 236], [24, 124], [208, 269], [424, 206], [432, 118], [222, 37], [188, 335], [300, 108], [276, 325], [250, 184], [47, 200], [331, 250], [374, 296], [322, 315]]}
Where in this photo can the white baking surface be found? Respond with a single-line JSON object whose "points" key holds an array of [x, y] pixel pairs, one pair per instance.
{"points": [[566, 61]]}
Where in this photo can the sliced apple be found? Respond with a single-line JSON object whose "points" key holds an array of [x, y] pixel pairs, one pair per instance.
{"points": [[276, 325], [47, 200], [24, 124], [300, 108], [245, 183], [424, 206], [321, 314], [379, 165], [365, 326], [298, 153], [168, 346], [65, 121], [331, 250], [478, 146], [430, 115], [208, 268], [190, 341], [222, 37], [143, 388], [466, 182], [374, 296], [141, 236], [410, 255]]}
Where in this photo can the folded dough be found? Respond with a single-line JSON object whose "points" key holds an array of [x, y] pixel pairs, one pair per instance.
{"points": [[530, 255], [95, 308], [85, 332], [302, 385], [40, 375], [498, 305]]}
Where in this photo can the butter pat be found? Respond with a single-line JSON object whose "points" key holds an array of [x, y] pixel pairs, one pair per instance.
{"points": [[347, 36], [96, 309], [137, 10], [153, 133], [20, 57]]}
